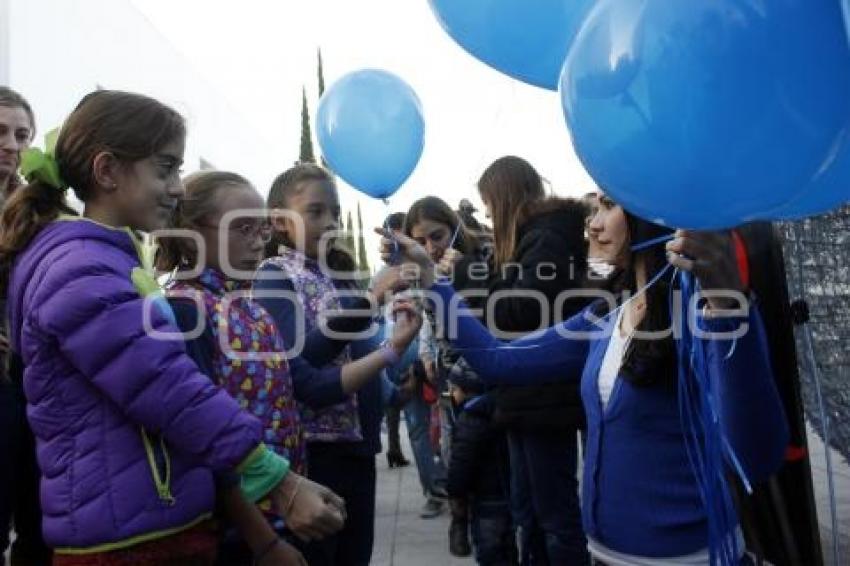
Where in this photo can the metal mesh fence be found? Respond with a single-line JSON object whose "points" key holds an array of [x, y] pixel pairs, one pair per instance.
{"points": [[817, 264]]}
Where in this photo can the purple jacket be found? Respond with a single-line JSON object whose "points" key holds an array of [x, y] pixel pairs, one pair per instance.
{"points": [[128, 430]]}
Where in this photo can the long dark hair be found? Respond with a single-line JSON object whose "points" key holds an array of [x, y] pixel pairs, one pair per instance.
{"points": [[647, 362], [436, 209], [130, 126], [510, 185]]}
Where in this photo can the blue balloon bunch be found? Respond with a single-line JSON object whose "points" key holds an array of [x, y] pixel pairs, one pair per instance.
{"points": [[527, 40], [698, 114], [371, 130]]}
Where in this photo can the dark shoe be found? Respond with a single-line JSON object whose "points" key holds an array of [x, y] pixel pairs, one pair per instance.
{"points": [[432, 508], [396, 460], [440, 493], [459, 538]]}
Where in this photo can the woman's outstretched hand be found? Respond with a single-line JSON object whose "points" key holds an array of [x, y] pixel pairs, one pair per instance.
{"points": [[710, 256], [387, 282], [418, 266], [394, 245]]}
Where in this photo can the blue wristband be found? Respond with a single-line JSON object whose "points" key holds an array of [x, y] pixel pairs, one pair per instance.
{"points": [[391, 357]]}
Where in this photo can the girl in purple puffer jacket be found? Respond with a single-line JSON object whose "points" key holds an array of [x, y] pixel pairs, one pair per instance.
{"points": [[239, 345], [129, 432]]}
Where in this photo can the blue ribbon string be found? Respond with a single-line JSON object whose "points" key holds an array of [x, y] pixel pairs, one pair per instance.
{"points": [[653, 242], [705, 442]]}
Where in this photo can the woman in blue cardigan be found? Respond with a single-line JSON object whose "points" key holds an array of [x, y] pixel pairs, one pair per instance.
{"points": [[641, 501]]}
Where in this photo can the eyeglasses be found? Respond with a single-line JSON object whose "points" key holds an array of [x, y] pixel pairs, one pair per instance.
{"points": [[249, 231]]}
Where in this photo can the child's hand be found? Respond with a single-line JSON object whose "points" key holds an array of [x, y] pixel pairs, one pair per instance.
{"points": [[310, 510], [282, 554], [408, 321], [406, 247], [388, 282], [447, 263]]}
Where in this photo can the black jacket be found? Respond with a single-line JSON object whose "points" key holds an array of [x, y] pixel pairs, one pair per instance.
{"points": [[479, 458], [550, 258]]}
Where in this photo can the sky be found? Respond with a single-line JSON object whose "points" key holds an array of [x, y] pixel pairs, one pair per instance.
{"points": [[259, 53]]}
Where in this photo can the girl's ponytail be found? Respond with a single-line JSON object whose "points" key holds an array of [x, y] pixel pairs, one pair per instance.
{"points": [[26, 213]]}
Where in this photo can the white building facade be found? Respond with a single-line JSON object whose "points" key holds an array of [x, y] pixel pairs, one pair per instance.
{"points": [[55, 51]]}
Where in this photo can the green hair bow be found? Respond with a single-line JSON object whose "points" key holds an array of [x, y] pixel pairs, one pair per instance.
{"points": [[38, 165]]}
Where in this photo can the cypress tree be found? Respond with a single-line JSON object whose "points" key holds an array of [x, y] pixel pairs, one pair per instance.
{"points": [[306, 154], [362, 256]]}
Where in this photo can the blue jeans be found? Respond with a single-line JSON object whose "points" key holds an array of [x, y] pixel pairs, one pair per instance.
{"points": [[417, 415], [544, 499]]}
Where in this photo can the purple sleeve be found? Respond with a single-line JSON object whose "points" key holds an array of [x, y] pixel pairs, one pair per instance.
{"points": [[97, 320], [314, 387]]}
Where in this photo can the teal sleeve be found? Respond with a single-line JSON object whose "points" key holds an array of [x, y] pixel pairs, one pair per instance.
{"points": [[262, 474]]}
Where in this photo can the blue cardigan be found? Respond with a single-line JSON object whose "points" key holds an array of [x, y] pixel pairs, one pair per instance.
{"points": [[639, 494]]}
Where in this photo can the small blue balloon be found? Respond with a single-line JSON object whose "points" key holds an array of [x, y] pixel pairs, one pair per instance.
{"points": [[707, 113], [371, 130], [527, 40]]}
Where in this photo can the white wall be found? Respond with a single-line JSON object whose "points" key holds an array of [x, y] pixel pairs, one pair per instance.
{"points": [[60, 50], [4, 42]]}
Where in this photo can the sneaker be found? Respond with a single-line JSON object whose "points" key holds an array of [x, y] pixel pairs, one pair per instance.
{"points": [[432, 508], [459, 538]]}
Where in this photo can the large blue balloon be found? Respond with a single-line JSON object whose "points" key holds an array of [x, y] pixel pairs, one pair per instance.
{"points": [[526, 39], [829, 190], [371, 130], [707, 113]]}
